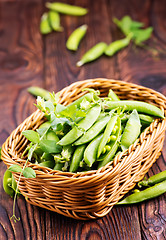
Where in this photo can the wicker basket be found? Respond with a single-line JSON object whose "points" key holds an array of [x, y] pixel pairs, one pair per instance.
{"points": [[89, 194]]}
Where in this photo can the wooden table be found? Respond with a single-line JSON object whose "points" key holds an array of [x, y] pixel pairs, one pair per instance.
{"points": [[27, 59]]}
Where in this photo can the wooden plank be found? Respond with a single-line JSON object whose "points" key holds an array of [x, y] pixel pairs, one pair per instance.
{"points": [[21, 65]]}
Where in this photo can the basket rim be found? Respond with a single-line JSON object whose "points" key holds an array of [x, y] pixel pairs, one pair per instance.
{"points": [[103, 171]]}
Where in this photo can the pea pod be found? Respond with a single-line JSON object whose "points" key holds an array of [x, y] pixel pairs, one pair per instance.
{"points": [[114, 146], [54, 20], [92, 54], [51, 135], [45, 27], [146, 194], [141, 107], [58, 166], [114, 47], [106, 134], [93, 131], [37, 91], [153, 180], [131, 131], [90, 154], [84, 124], [75, 37], [7, 183], [77, 157], [66, 8]]}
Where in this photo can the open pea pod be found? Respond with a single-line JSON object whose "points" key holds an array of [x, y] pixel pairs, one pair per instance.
{"points": [[113, 147]]}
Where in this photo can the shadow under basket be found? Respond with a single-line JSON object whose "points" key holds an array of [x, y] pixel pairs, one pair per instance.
{"points": [[91, 194]]}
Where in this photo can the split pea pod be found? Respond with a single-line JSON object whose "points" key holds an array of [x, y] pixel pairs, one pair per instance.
{"points": [[113, 147], [140, 106], [106, 134], [54, 20], [90, 154], [92, 54], [157, 178], [131, 130], [77, 157], [93, 131], [75, 37], [45, 27], [116, 46], [83, 125], [146, 194], [67, 8]]}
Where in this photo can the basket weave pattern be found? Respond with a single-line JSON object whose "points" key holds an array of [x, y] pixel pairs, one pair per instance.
{"points": [[89, 194]]}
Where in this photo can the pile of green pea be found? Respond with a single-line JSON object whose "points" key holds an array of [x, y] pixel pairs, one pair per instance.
{"points": [[50, 21], [104, 128]]}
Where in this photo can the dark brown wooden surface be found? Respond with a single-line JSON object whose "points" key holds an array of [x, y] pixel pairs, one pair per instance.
{"points": [[27, 58]]}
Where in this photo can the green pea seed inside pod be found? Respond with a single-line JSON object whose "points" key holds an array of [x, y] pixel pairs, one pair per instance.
{"points": [[75, 37]]}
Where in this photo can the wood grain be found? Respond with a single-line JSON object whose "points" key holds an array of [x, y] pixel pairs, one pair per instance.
{"points": [[27, 58]]}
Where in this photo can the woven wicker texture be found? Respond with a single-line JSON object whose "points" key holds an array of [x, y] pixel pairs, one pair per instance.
{"points": [[89, 194]]}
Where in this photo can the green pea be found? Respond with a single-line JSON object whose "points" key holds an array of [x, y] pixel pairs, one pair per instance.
{"points": [[131, 131], [92, 54], [7, 183], [146, 194], [45, 27], [116, 46], [83, 125], [141, 107], [111, 138], [77, 157], [75, 37], [54, 20], [114, 147], [153, 180], [106, 134], [93, 131], [90, 154], [66, 8]]}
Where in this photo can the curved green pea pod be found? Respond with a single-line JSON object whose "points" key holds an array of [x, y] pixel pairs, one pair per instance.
{"points": [[77, 157], [93, 131], [146, 194], [141, 107], [45, 27], [114, 147], [90, 154], [66, 8], [75, 37], [83, 125], [92, 54], [37, 91], [114, 47], [106, 134], [131, 131], [7, 183], [49, 164], [54, 20]]}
